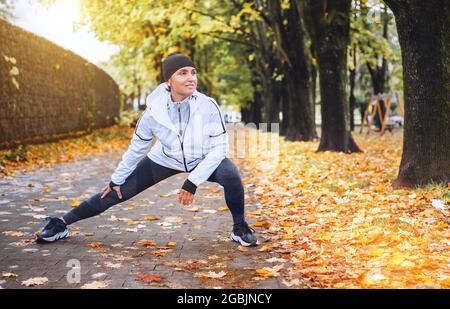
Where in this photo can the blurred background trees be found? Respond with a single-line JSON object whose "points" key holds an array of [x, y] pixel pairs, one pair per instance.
{"points": [[299, 63]]}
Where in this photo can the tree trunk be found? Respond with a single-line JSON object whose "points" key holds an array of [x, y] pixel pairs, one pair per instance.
{"points": [[286, 120], [378, 73], [329, 23], [267, 64], [290, 35], [140, 106], [314, 84], [352, 98], [424, 34], [252, 113]]}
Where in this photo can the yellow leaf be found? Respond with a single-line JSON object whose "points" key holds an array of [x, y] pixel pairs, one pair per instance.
{"points": [[265, 249], [261, 224], [75, 203], [15, 82], [242, 249], [151, 218], [14, 71], [269, 272], [377, 252], [397, 259], [158, 253], [171, 244], [16, 234], [146, 243], [96, 244]]}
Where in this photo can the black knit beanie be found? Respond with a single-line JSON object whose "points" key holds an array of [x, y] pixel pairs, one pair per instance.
{"points": [[173, 63]]}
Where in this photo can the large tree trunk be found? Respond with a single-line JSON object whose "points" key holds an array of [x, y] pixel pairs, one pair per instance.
{"points": [[267, 64], [329, 23], [424, 33], [290, 35]]}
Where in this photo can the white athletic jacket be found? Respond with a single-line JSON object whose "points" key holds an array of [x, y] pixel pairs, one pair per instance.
{"points": [[200, 149]]}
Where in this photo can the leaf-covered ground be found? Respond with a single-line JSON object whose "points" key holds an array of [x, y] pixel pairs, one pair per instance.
{"points": [[32, 157], [337, 221], [327, 219]]}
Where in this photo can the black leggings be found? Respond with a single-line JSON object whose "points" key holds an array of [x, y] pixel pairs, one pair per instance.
{"points": [[148, 173]]}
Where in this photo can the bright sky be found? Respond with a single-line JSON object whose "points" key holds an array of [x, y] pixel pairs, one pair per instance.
{"points": [[56, 24]]}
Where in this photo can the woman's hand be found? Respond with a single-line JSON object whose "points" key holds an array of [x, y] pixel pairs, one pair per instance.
{"points": [[185, 197], [107, 189]]}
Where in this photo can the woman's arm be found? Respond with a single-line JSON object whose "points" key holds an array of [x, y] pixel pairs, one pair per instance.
{"points": [[138, 148], [218, 151]]}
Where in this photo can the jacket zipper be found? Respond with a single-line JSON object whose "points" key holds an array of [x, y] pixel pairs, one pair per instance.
{"points": [[182, 137]]}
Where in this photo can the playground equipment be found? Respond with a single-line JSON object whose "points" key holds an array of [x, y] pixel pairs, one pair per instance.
{"points": [[379, 110]]}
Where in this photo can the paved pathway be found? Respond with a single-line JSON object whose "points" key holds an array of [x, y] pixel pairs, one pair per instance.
{"points": [[189, 240]]}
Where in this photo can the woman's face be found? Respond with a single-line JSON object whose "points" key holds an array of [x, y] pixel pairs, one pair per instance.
{"points": [[183, 82]]}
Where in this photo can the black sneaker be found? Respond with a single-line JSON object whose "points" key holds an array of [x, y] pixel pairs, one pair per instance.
{"points": [[54, 230], [244, 235]]}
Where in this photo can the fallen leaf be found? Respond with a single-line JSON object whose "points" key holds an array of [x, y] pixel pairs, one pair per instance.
{"points": [[112, 265], [151, 218], [75, 203], [269, 272], [9, 275], [35, 281], [261, 224], [98, 275], [158, 253], [174, 219], [146, 243], [265, 249], [14, 233], [134, 222], [96, 245], [211, 275], [209, 211], [164, 224], [149, 278], [242, 248], [192, 208], [95, 285]]}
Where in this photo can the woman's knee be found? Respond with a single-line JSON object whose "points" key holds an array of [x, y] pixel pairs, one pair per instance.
{"points": [[228, 173]]}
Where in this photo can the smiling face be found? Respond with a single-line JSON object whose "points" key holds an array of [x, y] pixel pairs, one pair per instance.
{"points": [[183, 83]]}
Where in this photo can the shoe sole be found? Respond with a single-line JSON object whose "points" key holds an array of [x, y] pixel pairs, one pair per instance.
{"points": [[238, 239], [54, 238]]}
